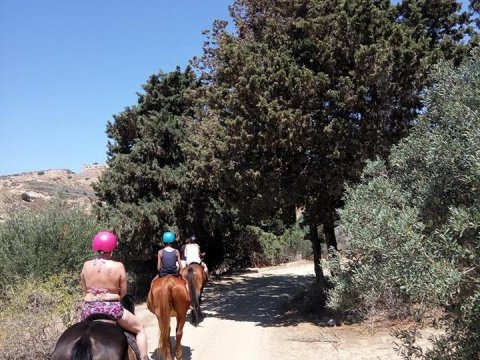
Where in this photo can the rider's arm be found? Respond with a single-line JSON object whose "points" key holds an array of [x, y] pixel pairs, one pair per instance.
{"points": [[179, 261], [82, 281], [159, 260], [123, 281]]}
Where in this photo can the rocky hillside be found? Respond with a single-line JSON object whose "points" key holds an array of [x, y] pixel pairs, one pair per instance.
{"points": [[34, 189]]}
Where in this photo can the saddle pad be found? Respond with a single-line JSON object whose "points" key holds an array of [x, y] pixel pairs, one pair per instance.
{"points": [[132, 343]]}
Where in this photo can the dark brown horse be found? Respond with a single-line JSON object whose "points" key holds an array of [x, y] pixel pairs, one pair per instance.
{"points": [[196, 278], [96, 338], [168, 297]]}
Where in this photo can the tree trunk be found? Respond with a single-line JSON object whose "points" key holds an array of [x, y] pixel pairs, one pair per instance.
{"points": [[317, 254], [329, 230]]}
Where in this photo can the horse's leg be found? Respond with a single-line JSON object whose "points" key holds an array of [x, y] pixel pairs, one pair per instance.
{"points": [[178, 336]]}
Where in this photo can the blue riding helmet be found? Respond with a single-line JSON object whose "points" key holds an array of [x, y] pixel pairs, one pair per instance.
{"points": [[168, 237]]}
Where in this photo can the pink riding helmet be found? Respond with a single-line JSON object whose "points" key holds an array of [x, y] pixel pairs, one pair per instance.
{"points": [[104, 241]]}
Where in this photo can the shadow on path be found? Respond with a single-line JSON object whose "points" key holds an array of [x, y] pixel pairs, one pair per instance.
{"points": [[261, 299], [187, 352]]}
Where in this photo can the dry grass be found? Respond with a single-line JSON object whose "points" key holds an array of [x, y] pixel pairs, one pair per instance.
{"points": [[34, 315]]}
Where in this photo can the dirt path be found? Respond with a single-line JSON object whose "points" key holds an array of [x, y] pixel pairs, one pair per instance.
{"points": [[244, 320]]}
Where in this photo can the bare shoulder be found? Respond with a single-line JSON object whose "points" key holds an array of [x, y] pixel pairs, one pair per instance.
{"points": [[86, 264], [119, 265]]}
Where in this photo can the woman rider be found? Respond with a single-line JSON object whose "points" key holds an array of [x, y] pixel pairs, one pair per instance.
{"points": [[194, 255], [104, 283]]}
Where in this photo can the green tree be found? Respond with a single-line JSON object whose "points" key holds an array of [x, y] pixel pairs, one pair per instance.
{"points": [[140, 191], [304, 92], [414, 222]]}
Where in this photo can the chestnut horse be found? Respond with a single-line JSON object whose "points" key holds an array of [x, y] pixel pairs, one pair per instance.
{"points": [[168, 297], [96, 338], [196, 278]]}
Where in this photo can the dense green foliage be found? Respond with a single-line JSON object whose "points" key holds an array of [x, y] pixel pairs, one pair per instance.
{"points": [[44, 242], [280, 114], [285, 109], [270, 249], [418, 240], [304, 92], [141, 189], [152, 183]]}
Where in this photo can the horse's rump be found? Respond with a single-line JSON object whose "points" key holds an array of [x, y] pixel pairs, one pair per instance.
{"points": [[76, 342], [98, 337], [199, 272], [168, 297], [196, 279], [162, 290]]}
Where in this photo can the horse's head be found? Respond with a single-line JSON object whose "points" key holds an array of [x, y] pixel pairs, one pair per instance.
{"points": [[128, 303]]}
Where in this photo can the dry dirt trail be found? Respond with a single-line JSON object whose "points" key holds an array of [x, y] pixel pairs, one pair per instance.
{"points": [[244, 320]]}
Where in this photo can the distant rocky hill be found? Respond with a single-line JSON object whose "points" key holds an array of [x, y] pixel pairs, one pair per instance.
{"points": [[34, 189]]}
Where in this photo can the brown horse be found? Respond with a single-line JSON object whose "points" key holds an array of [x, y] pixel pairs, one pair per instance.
{"points": [[96, 338], [168, 297], [196, 278]]}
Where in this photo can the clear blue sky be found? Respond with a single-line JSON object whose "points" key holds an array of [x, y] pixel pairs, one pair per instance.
{"points": [[66, 66]]}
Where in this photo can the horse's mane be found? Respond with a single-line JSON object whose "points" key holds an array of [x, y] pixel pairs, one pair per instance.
{"points": [[128, 303]]}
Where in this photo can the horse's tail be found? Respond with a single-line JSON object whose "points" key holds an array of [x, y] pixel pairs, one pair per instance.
{"points": [[163, 307], [192, 288], [82, 350]]}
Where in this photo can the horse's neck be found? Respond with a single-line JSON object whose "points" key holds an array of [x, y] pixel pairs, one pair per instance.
{"points": [[128, 303]]}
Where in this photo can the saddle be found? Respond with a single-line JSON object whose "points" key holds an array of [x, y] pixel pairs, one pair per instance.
{"points": [[195, 262], [131, 340]]}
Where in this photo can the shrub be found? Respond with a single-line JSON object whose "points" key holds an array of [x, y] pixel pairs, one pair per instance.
{"points": [[394, 263], [274, 249], [44, 242], [414, 222], [35, 313], [26, 197]]}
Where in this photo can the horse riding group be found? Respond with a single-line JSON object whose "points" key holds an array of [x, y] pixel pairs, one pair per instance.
{"points": [[109, 328]]}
